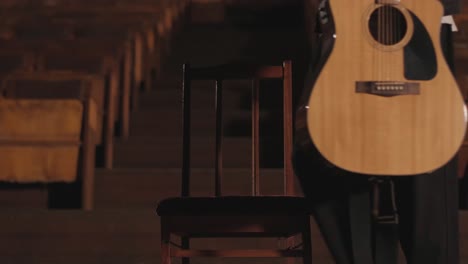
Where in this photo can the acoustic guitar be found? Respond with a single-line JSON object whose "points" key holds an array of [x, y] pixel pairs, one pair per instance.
{"points": [[382, 100]]}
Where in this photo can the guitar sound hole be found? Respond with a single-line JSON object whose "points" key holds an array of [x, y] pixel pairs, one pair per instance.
{"points": [[387, 25]]}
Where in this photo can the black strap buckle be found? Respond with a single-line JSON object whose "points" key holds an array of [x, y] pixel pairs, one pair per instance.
{"points": [[384, 209]]}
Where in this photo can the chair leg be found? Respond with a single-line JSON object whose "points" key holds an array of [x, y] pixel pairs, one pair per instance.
{"points": [[307, 243], [290, 243], [165, 246], [185, 245]]}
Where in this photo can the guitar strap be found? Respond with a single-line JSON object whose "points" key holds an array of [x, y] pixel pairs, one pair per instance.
{"points": [[373, 224], [463, 191], [385, 217], [360, 227]]}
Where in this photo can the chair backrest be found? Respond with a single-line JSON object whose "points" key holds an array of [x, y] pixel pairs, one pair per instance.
{"points": [[238, 71]]}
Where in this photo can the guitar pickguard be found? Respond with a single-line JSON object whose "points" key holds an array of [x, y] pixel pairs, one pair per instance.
{"points": [[419, 55]]}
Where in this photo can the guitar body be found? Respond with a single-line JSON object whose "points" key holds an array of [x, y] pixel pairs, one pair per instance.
{"points": [[364, 113]]}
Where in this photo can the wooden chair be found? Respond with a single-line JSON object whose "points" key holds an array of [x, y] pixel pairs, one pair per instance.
{"points": [[250, 216]]}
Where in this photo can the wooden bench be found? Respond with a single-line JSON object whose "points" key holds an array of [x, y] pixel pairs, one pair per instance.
{"points": [[141, 40], [162, 15], [156, 24], [49, 136], [16, 60], [102, 30], [105, 68], [148, 43], [132, 32], [52, 83], [104, 48]]}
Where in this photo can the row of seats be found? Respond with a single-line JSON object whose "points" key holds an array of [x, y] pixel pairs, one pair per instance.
{"points": [[71, 73]]}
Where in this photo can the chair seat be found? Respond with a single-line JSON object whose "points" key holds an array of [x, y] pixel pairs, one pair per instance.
{"points": [[234, 205]]}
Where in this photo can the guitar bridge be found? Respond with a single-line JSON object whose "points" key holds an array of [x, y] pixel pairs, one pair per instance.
{"points": [[387, 88]]}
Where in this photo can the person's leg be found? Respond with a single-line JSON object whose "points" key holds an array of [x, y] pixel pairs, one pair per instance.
{"points": [[404, 192], [332, 219], [329, 191], [429, 217]]}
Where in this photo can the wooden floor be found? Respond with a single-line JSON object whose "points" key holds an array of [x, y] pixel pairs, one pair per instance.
{"points": [[124, 228]]}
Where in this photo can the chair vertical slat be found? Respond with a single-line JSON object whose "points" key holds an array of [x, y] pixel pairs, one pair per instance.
{"points": [[186, 105], [288, 126], [255, 138], [219, 137], [287, 148], [186, 166]]}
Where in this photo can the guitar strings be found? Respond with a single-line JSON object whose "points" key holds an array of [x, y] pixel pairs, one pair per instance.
{"points": [[390, 37], [388, 29], [380, 40]]}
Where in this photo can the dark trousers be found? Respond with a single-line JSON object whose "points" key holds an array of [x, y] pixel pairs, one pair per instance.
{"points": [[427, 206]]}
